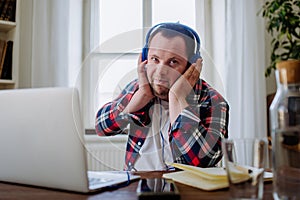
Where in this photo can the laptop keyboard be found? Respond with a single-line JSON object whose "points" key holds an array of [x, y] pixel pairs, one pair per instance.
{"points": [[111, 179]]}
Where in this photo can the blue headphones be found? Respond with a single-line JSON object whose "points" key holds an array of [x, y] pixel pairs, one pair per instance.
{"points": [[176, 27]]}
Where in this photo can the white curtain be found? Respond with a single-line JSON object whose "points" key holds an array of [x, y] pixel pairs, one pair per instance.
{"points": [[210, 19], [56, 44], [244, 65]]}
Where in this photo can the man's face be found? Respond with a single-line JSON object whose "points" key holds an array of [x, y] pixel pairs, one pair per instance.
{"points": [[167, 60]]}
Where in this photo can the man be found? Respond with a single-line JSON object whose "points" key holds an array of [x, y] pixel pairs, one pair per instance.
{"points": [[173, 115]]}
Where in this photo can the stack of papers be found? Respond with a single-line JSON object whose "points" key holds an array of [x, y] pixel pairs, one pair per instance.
{"points": [[205, 178]]}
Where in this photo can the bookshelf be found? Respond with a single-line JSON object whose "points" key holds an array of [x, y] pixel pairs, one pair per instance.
{"points": [[9, 31], [7, 26]]}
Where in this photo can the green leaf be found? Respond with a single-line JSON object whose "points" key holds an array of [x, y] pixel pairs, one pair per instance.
{"points": [[289, 36], [282, 23]]}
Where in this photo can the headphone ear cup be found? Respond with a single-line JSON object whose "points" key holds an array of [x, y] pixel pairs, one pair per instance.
{"points": [[195, 57], [144, 53]]}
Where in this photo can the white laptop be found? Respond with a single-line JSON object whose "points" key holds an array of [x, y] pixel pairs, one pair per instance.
{"points": [[41, 142]]}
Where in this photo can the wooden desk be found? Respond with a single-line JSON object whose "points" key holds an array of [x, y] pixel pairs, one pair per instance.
{"points": [[12, 191]]}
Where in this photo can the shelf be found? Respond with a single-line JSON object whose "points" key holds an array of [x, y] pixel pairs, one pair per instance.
{"points": [[9, 33], [6, 82], [7, 25]]}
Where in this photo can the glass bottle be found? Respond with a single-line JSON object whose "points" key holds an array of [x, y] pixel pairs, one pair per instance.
{"points": [[285, 127]]}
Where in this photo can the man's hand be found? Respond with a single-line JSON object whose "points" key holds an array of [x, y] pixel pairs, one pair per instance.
{"points": [[144, 86], [182, 87], [144, 94]]}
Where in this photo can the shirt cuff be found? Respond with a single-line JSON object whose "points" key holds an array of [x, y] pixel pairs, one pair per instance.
{"points": [[186, 116]]}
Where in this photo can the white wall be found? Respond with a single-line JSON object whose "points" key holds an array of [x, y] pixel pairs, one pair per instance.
{"points": [[25, 24], [270, 81]]}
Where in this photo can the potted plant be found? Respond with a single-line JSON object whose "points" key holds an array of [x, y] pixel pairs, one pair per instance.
{"points": [[283, 23]]}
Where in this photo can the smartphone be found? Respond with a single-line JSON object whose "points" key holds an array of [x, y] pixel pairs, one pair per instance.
{"points": [[157, 189]]}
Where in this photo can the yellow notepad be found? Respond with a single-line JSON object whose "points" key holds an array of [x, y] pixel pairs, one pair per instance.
{"points": [[190, 179], [209, 179], [203, 178]]}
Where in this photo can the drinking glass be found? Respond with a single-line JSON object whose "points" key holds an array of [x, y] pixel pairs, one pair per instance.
{"points": [[245, 161]]}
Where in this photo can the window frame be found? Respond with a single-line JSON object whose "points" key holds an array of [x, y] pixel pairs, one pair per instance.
{"points": [[92, 40]]}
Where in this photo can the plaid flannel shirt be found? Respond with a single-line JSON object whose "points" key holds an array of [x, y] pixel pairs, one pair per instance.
{"points": [[195, 137]]}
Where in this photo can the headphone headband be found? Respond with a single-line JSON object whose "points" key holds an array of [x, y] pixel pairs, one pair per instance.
{"points": [[175, 27]]}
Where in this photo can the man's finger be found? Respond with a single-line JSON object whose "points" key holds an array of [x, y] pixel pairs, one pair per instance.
{"points": [[199, 64], [141, 64]]}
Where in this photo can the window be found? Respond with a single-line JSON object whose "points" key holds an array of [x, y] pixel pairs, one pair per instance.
{"points": [[118, 22], [116, 33], [174, 11]]}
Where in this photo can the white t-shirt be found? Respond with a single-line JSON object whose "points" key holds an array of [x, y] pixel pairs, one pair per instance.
{"points": [[156, 150]]}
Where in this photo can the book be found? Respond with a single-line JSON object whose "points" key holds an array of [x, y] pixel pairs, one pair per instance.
{"points": [[2, 3], [4, 10], [8, 10], [12, 17], [3, 57], [11, 11], [7, 63], [209, 179], [2, 51]]}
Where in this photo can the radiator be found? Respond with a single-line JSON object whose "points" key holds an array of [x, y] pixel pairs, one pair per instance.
{"points": [[105, 153]]}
